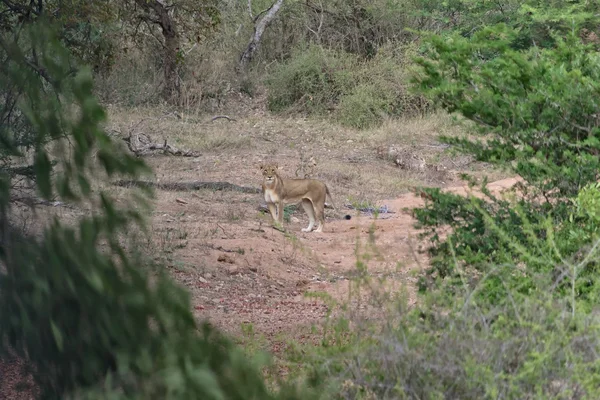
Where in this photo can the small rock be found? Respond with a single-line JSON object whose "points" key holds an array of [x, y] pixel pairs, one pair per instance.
{"points": [[253, 269], [202, 280], [294, 220], [225, 258], [233, 270]]}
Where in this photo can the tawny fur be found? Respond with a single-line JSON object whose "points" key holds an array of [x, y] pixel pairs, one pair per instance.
{"points": [[278, 191]]}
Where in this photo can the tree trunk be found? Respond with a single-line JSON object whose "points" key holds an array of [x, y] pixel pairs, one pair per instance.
{"points": [[161, 17], [172, 89], [259, 29]]}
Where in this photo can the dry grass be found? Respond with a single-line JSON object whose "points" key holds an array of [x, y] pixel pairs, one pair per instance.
{"points": [[413, 131], [345, 158], [217, 244]]}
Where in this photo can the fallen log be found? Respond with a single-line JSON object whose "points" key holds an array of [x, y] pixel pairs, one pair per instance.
{"points": [[187, 186], [216, 117], [142, 145]]}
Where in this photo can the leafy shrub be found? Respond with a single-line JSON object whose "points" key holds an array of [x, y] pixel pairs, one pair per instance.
{"points": [[510, 247], [311, 81], [382, 90], [74, 303], [533, 348], [455, 343], [536, 23], [537, 106], [533, 111], [361, 93], [587, 205], [364, 107]]}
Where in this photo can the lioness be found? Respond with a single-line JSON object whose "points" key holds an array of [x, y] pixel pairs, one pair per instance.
{"points": [[279, 191]]}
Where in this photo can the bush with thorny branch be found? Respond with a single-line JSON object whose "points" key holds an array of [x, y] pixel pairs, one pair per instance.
{"points": [[536, 115]]}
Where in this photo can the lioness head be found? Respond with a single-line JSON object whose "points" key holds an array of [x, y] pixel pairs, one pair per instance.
{"points": [[269, 172]]}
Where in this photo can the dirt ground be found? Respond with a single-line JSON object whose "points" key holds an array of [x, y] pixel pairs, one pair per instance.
{"points": [[243, 275], [240, 270]]}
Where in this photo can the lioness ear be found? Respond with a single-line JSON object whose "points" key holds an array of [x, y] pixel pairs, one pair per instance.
{"points": [[261, 166]]}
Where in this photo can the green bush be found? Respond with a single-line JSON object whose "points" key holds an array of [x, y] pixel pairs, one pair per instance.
{"points": [[312, 80], [361, 94], [454, 343], [534, 114], [537, 106], [512, 247], [535, 347], [75, 303], [536, 23], [365, 106]]}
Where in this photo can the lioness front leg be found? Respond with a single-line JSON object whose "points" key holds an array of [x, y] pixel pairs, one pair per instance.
{"points": [[280, 212], [273, 211], [308, 208]]}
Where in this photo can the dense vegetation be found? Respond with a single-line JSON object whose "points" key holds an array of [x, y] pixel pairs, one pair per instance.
{"points": [[509, 305]]}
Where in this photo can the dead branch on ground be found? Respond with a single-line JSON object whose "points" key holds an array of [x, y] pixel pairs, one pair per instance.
{"points": [[33, 201], [216, 117], [141, 144], [187, 186]]}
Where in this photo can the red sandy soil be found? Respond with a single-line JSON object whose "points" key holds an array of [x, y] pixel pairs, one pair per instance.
{"points": [[245, 272]]}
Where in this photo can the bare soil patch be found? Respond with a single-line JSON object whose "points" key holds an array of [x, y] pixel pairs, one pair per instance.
{"points": [[244, 275]]}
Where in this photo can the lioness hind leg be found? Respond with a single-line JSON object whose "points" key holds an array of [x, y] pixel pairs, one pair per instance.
{"points": [[321, 221], [308, 208], [320, 214]]}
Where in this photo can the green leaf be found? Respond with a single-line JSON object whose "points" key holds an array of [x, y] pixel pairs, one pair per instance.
{"points": [[42, 169], [58, 337]]}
